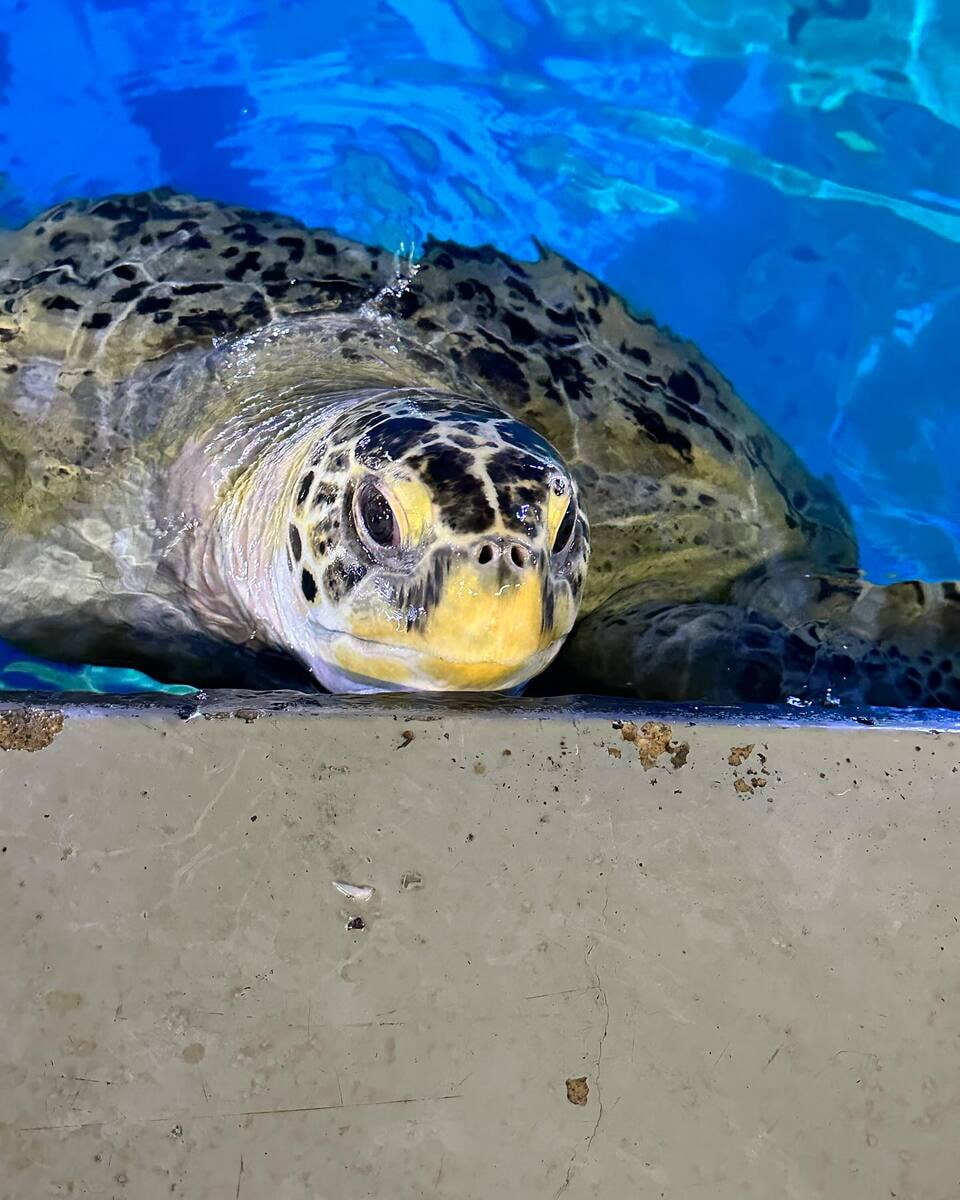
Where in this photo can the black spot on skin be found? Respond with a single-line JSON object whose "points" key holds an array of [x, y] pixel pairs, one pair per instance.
{"points": [[497, 367], [457, 492], [60, 241], [196, 289], [326, 493], [658, 431], [11, 369], [245, 234], [113, 210], [339, 578], [151, 304], [255, 308], [295, 543], [707, 501], [325, 248], [306, 483], [406, 304], [637, 352], [295, 245], [565, 316], [99, 320], [684, 414], [519, 329], [61, 304], [230, 252], [275, 274], [125, 272], [683, 385], [249, 262], [567, 371], [196, 242], [308, 585], [126, 294]]}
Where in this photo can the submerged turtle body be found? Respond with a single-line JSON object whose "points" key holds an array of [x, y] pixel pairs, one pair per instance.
{"points": [[229, 444]]}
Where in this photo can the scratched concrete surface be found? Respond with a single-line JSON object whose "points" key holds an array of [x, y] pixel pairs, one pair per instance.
{"points": [[730, 974]]}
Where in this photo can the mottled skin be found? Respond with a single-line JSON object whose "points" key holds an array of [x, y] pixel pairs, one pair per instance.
{"points": [[196, 401]]}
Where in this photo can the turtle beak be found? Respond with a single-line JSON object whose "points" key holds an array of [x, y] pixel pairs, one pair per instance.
{"points": [[494, 624], [487, 631]]}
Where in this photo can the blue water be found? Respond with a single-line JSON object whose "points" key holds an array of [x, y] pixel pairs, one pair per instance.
{"points": [[777, 180]]}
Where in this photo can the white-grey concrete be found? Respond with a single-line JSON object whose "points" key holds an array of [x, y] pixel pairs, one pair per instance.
{"points": [[743, 957]]}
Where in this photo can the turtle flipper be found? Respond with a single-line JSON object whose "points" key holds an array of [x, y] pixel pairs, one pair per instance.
{"points": [[724, 653]]}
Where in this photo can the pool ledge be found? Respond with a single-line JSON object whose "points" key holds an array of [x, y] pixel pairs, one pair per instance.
{"points": [[263, 943]]}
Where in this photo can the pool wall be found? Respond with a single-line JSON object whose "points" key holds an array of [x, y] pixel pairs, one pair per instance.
{"points": [[256, 945]]}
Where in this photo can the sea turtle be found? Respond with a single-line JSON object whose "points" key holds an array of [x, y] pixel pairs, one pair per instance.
{"points": [[233, 449]]}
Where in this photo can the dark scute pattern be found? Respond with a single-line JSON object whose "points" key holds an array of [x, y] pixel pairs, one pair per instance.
{"points": [[522, 506], [683, 384], [512, 464], [457, 492], [497, 367], [391, 439], [659, 432], [515, 433]]}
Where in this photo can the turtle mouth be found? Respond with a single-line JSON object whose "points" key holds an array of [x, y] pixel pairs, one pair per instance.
{"points": [[351, 663]]}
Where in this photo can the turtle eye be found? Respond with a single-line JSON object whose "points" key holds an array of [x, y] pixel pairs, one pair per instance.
{"points": [[565, 533], [374, 517]]}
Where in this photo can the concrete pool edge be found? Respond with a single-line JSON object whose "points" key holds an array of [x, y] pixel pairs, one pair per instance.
{"points": [[251, 705], [267, 944]]}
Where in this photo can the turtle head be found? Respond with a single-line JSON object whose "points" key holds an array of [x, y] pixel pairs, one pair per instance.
{"points": [[433, 543]]}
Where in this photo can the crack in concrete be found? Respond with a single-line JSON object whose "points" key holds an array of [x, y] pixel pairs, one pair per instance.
{"points": [[257, 1112], [598, 1064]]}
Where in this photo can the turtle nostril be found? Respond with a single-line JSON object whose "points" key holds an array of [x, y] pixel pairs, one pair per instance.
{"points": [[485, 555], [519, 556]]}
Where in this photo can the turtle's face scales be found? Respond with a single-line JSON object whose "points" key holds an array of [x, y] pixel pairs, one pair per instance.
{"points": [[433, 543]]}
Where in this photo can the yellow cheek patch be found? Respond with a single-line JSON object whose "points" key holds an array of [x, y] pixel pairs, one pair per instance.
{"points": [[411, 505]]}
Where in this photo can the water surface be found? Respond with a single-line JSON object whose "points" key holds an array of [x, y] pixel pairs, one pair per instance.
{"points": [[779, 181]]}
